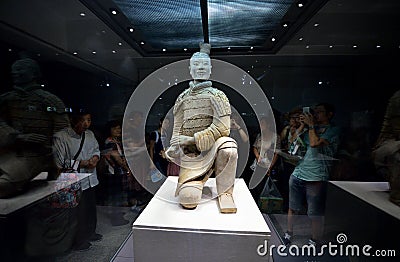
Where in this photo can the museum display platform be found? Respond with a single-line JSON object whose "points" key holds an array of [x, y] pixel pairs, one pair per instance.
{"points": [[166, 232], [362, 211], [15, 211]]}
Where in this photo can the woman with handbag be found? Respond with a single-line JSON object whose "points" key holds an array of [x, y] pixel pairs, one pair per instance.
{"points": [[76, 148]]}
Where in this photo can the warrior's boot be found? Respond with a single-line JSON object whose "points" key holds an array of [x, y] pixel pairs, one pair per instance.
{"points": [[190, 194], [225, 172]]}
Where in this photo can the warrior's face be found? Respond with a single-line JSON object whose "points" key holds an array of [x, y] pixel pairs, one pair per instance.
{"points": [[22, 73], [200, 68]]}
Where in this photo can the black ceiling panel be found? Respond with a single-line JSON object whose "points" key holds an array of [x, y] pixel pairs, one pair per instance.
{"points": [[234, 27]]}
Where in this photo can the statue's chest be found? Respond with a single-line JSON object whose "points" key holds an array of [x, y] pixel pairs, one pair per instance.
{"points": [[197, 107]]}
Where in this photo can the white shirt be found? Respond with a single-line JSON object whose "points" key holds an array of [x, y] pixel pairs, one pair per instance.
{"points": [[66, 144]]}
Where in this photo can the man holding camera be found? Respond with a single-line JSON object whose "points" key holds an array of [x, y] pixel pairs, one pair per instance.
{"points": [[308, 181]]}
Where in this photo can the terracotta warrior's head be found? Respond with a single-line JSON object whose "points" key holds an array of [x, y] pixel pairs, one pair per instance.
{"points": [[25, 71], [200, 63]]}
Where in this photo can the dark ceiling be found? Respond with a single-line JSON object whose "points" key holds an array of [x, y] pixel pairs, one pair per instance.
{"points": [[86, 33], [170, 27]]}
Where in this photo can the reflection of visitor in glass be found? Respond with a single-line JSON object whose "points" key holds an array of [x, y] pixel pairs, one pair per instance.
{"points": [[308, 181], [77, 146], [264, 145], [156, 147]]}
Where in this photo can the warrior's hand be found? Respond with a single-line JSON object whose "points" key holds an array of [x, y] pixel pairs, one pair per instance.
{"points": [[204, 140], [186, 140], [31, 138]]}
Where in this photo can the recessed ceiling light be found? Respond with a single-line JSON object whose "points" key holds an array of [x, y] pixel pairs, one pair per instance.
{"points": [[57, 54], [9, 50], [164, 49], [107, 84], [319, 82], [38, 54], [273, 39], [285, 25], [316, 24], [119, 43], [131, 29], [113, 11], [331, 46], [93, 52], [378, 46], [113, 51], [82, 14], [142, 43], [301, 39], [300, 5], [354, 46], [75, 53], [251, 47], [229, 48], [307, 46], [185, 49], [42, 85]]}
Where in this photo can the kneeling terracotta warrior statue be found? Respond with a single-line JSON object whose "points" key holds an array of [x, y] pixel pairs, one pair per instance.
{"points": [[201, 133]]}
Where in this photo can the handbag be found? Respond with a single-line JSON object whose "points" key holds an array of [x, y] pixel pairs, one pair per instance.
{"points": [[270, 200]]}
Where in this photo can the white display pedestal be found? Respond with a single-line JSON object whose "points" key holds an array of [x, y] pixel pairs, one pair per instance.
{"points": [[167, 232]]}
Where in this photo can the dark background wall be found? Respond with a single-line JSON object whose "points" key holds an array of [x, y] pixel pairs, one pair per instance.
{"points": [[358, 86]]}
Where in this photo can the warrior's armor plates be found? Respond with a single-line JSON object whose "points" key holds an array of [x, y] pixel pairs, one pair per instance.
{"points": [[31, 111], [198, 112], [203, 112]]}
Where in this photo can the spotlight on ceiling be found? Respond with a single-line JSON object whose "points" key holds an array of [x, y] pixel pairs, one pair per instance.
{"points": [[301, 4], [114, 11], [131, 29]]}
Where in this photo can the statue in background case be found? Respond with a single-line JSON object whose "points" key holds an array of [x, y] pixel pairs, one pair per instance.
{"points": [[200, 142], [387, 150]]}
